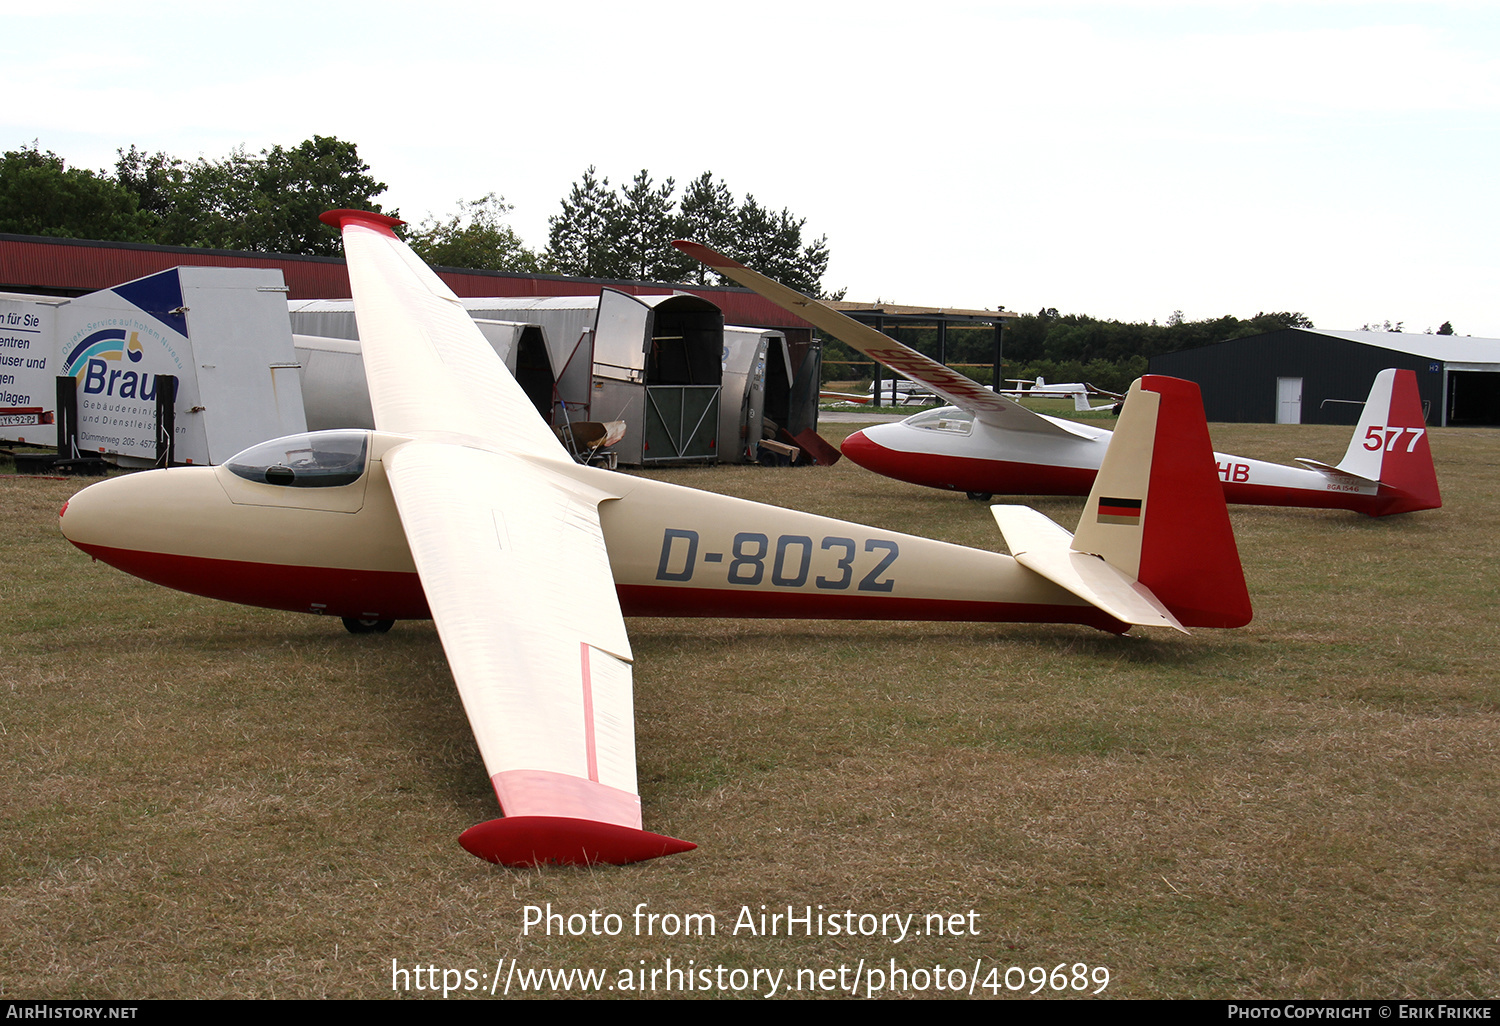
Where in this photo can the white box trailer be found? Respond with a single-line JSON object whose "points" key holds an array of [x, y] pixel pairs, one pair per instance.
{"points": [[28, 368], [221, 332]]}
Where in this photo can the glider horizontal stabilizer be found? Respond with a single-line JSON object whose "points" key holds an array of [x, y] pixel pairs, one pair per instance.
{"points": [[1335, 473], [1041, 545]]}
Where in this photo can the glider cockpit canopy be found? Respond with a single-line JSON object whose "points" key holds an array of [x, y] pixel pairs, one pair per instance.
{"points": [[317, 459]]}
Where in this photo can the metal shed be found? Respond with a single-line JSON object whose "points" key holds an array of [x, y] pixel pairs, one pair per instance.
{"points": [[1312, 376]]}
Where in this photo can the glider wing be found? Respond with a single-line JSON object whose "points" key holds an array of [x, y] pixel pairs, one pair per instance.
{"points": [[429, 369], [512, 559], [961, 391]]}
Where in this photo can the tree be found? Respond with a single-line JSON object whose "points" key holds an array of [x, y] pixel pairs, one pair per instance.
{"points": [[266, 202], [41, 195], [272, 202], [580, 239], [160, 184], [476, 237], [643, 229], [1446, 329], [602, 234], [1263, 323], [814, 265], [707, 215], [772, 244]]}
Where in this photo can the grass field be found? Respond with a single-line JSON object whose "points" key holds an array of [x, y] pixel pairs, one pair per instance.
{"points": [[204, 800]]}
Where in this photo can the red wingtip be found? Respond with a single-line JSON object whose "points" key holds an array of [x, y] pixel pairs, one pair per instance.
{"points": [[704, 255], [340, 218], [539, 840]]}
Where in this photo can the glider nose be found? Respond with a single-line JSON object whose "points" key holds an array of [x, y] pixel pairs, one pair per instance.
{"points": [[881, 450], [859, 448], [864, 448], [82, 518], [153, 511]]}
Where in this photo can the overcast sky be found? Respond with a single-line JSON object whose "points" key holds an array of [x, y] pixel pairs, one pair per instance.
{"points": [[1120, 159]]}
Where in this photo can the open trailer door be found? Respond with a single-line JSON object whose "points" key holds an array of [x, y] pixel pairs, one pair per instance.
{"points": [[658, 367]]}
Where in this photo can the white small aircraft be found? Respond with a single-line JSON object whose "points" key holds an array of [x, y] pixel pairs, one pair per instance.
{"points": [[463, 506], [985, 444], [1078, 391]]}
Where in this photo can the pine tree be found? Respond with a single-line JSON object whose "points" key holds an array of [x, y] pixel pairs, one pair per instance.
{"points": [[580, 240], [643, 231], [707, 215], [601, 234]]}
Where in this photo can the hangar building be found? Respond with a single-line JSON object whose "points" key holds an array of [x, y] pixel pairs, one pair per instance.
{"points": [[1311, 376]]}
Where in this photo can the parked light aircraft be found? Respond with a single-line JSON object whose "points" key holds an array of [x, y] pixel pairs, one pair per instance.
{"points": [[463, 506], [1078, 391], [985, 444]]}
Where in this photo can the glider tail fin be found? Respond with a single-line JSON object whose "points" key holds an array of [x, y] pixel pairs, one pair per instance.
{"points": [[1390, 445], [1157, 511]]}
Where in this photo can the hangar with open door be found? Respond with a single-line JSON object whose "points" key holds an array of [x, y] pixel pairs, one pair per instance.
{"points": [[1311, 376]]}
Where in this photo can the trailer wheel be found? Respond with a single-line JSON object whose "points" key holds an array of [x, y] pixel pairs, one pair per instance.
{"points": [[354, 625], [981, 496]]}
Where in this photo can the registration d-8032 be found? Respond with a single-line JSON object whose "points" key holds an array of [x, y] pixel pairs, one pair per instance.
{"points": [[788, 561]]}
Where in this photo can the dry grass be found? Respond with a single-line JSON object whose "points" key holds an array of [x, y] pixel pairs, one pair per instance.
{"points": [[206, 800]]}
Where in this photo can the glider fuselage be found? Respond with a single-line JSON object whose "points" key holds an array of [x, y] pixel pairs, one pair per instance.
{"points": [[950, 450], [342, 550]]}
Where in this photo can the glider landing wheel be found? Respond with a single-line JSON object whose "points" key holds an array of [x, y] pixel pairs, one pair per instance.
{"points": [[981, 496], [354, 625]]}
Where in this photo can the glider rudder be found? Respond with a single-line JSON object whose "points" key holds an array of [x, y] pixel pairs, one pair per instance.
{"points": [[1390, 446], [1157, 509]]}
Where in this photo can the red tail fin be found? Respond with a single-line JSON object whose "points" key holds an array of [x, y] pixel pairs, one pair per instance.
{"points": [[1157, 509], [1390, 446]]}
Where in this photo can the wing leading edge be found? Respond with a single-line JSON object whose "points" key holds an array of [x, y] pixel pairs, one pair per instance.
{"points": [[961, 391], [511, 556]]}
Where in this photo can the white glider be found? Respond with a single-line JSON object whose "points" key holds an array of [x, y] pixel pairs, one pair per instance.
{"points": [[985, 444], [464, 507]]}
